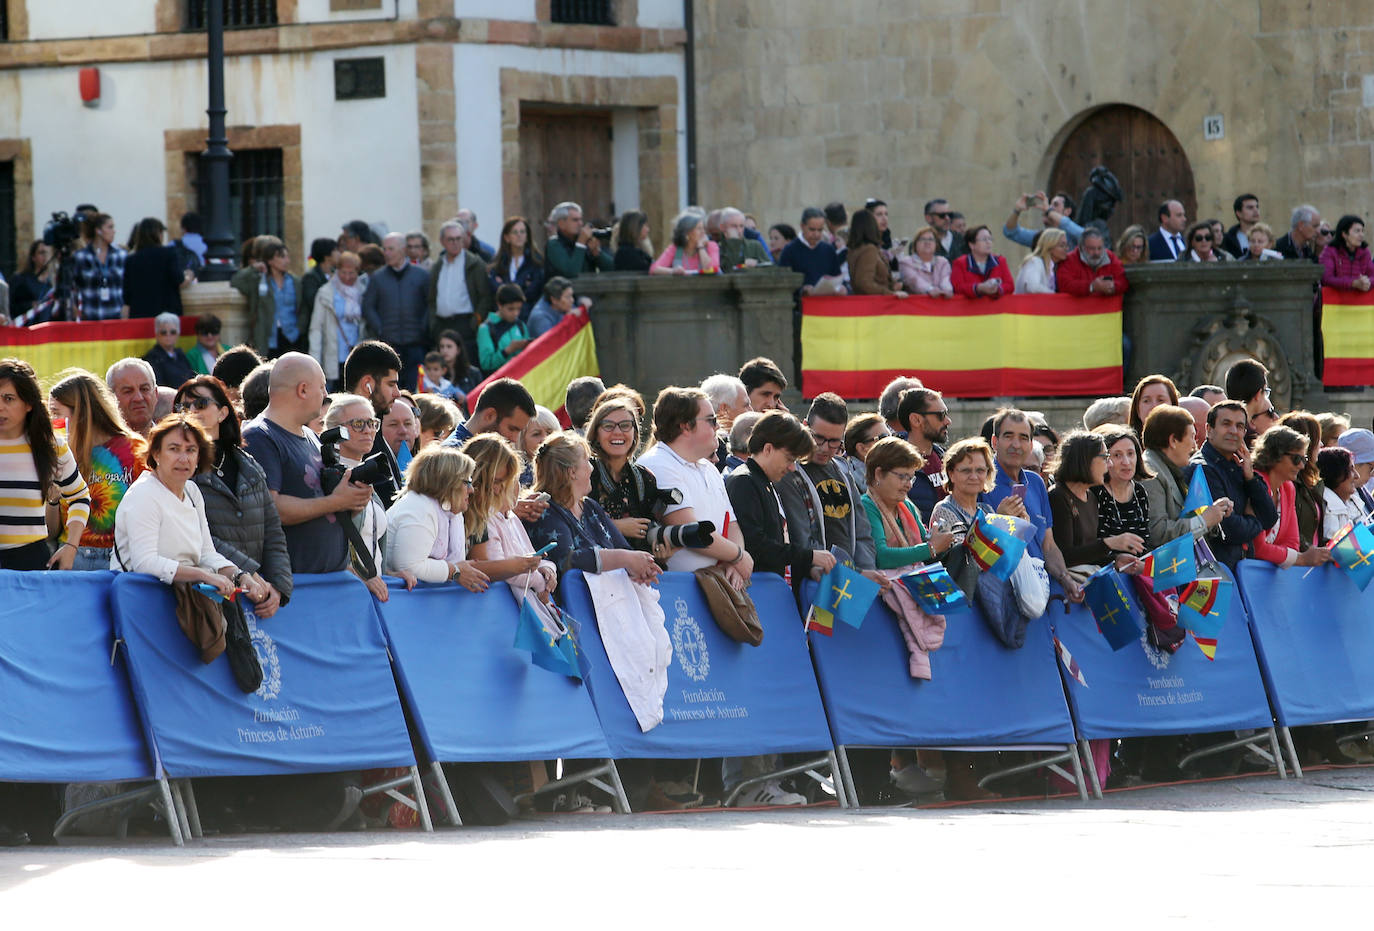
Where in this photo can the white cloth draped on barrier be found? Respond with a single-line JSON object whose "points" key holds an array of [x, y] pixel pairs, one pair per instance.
{"points": [[631, 623]]}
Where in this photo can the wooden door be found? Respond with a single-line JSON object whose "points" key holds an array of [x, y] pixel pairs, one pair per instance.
{"points": [[566, 155], [1146, 158]]}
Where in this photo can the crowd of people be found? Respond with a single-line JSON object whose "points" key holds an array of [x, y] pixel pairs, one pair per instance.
{"points": [[213, 466]]}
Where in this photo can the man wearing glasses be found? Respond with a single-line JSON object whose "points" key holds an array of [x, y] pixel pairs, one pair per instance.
{"points": [[684, 439], [1247, 381], [924, 416], [947, 243]]}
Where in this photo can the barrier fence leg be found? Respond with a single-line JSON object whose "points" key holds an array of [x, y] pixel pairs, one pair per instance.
{"points": [[170, 811], [836, 781], [1278, 756], [846, 780], [622, 801], [1091, 765], [1078, 774], [1292, 751], [447, 795], [420, 800], [188, 799], [182, 820]]}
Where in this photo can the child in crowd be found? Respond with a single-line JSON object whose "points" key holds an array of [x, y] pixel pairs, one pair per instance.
{"points": [[499, 340], [434, 381]]}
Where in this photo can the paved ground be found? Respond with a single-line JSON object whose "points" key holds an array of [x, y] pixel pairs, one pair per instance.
{"points": [[1216, 853]]}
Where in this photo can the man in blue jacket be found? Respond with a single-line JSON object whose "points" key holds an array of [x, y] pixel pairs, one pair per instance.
{"points": [[1225, 461]]}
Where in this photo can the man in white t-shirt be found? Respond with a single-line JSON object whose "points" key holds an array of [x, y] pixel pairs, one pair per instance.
{"points": [[685, 436]]}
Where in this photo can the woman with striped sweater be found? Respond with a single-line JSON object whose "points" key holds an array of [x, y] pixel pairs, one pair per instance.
{"points": [[35, 467]]}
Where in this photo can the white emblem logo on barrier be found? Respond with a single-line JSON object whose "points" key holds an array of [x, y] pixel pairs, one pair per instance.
{"points": [[689, 645], [1158, 658], [267, 656]]}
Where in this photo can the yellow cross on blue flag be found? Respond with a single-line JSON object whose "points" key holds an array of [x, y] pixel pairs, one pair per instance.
{"points": [[1199, 497], [1353, 551], [1173, 564], [1117, 615], [554, 650], [846, 595], [934, 590]]}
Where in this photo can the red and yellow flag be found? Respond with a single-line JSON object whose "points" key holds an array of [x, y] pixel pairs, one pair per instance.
{"points": [[93, 346], [1347, 337], [1022, 344], [547, 365]]}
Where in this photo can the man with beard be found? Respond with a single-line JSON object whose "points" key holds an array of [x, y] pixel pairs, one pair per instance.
{"points": [[1090, 269], [925, 418], [373, 371]]}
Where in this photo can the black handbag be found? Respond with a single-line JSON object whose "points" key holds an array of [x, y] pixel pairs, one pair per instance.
{"points": [[239, 649]]}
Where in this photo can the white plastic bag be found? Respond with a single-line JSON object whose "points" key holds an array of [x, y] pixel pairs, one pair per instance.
{"points": [[1031, 583]]}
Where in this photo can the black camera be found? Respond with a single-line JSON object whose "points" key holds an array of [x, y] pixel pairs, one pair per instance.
{"points": [[690, 536], [603, 234], [663, 499], [370, 471], [60, 232]]}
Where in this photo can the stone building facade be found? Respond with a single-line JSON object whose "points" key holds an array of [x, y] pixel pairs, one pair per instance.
{"points": [[806, 101]]}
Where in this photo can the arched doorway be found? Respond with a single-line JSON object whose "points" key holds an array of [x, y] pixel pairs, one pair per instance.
{"points": [[1145, 156]]}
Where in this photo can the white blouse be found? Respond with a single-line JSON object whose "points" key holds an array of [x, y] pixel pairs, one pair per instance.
{"points": [[1033, 278], [156, 532], [424, 538]]}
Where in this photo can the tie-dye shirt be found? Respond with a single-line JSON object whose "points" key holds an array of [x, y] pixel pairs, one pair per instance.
{"points": [[114, 466]]}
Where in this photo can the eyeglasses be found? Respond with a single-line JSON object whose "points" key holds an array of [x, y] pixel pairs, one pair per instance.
{"points": [[712, 420], [168, 332], [1104, 457], [199, 403], [876, 437], [1299, 461], [618, 426], [904, 478], [364, 424], [1203, 237], [826, 441]]}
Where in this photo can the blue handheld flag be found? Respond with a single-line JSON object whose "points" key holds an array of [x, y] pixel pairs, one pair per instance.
{"points": [[846, 594], [935, 590], [1117, 616], [547, 650]]}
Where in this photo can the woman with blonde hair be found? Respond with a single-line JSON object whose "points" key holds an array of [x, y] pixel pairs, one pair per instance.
{"points": [[1133, 247], [541, 425], [427, 535], [497, 542], [580, 529], [108, 454], [1036, 274]]}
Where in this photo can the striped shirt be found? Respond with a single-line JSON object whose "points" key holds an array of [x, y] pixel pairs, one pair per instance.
{"points": [[22, 507]]}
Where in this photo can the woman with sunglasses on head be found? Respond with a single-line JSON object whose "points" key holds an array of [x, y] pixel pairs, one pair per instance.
{"points": [[628, 492], [1200, 245], [1279, 457], [243, 519], [862, 431], [107, 453]]}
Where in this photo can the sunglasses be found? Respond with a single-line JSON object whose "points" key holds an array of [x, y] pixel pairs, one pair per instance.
{"points": [[198, 403], [1203, 237], [363, 424], [1297, 460], [945, 215]]}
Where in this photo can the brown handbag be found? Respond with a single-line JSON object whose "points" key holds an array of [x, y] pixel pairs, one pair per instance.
{"points": [[733, 611], [201, 620]]}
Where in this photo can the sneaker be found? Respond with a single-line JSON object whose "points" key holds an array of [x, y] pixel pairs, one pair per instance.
{"points": [[577, 804], [767, 794], [913, 780]]}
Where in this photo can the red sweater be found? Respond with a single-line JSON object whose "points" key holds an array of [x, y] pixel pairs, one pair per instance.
{"points": [[964, 277], [1279, 544], [1073, 276]]}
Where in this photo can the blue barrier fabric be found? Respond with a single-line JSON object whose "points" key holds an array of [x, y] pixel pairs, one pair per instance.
{"points": [[66, 714], [327, 703], [1315, 638], [473, 697], [724, 698], [980, 693], [1139, 691]]}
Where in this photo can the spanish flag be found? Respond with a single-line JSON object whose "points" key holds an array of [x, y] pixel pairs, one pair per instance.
{"points": [[547, 365], [1348, 337], [93, 346], [1033, 345]]}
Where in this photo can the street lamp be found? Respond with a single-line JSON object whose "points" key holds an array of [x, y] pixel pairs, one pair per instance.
{"points": [[219, 235]]}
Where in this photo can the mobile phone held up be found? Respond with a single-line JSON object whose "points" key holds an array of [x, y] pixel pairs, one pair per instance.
{"points": [[1019, 489]]}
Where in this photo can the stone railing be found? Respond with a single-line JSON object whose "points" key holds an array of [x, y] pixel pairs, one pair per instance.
{"points": [[658, 330], [1191, 322], [216, 297]]}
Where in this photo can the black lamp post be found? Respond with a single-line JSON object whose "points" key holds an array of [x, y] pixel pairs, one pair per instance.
{"points": [[219, 235]]}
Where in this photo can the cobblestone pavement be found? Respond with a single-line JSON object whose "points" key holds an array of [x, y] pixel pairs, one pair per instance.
{"points": [[1213, 853]]}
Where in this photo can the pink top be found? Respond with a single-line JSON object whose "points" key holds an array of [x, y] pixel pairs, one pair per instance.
{"points": [[1341, 268], [921, 278], [506, 538], [1279, 544], [689, 262]]}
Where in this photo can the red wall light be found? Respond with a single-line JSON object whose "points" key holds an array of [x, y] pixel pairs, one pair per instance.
{"points": [[90, 86]]}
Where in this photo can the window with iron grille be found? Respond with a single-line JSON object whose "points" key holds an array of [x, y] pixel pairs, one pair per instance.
{"points": [[257, 205], [238, 14], [588, 12], [7, 230]]}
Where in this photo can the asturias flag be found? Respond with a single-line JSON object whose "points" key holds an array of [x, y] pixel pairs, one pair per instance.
{"points": [[1353, 551], [845, 595], [1199, 497], [1172, 564], [1117, 616], [934, 590], [555, 651], [1202, 607], [995, 545]]}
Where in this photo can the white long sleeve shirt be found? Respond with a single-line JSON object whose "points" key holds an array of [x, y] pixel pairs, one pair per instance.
{"points": [[156, 532]]}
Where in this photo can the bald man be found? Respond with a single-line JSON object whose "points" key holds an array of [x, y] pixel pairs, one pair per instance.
{"points": [[1198, 408], [289, 453], [395, 307]]}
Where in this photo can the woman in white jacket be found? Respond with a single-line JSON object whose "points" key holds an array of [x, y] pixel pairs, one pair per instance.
{"points": [[1036, 274], [425, 532], [336, 323]]}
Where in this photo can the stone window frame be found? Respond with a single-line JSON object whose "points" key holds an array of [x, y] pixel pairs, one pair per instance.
{"points": [[626, 13], [655, 99], [180, 144], [20, 152]]}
